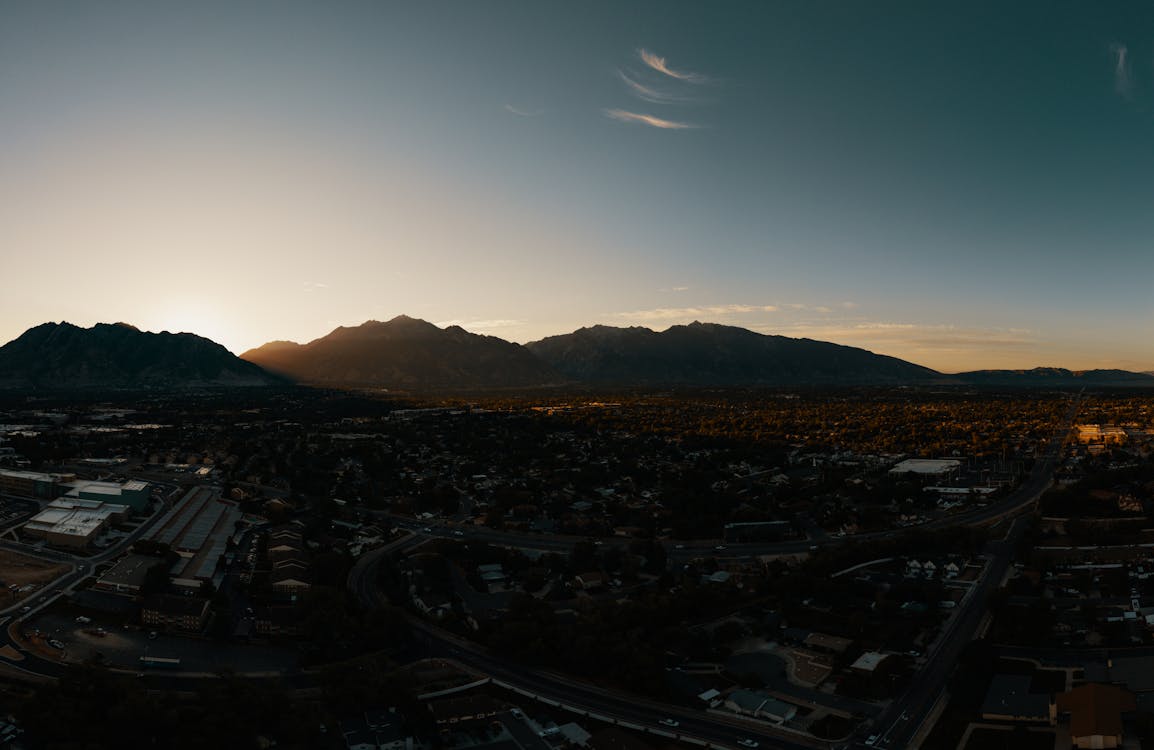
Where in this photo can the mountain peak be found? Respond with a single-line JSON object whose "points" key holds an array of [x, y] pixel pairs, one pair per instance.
{"points": [[119, 355], [406, 353], [712, 354]]}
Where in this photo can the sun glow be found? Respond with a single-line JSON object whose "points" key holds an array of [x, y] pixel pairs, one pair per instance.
{"points": [[191, 317]]}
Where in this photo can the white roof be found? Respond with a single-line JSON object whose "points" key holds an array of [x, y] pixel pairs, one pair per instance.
{"points": [[869, 661], [926, 466]]}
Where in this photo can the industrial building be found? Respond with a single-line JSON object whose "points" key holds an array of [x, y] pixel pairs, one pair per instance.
{"points": [[198, 528], [41, 486], [74, 523], [133, 493], [928, 467], [34, 484]]}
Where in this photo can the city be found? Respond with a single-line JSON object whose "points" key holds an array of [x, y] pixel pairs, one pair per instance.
{"points": [[599, 375], [720, 571]]}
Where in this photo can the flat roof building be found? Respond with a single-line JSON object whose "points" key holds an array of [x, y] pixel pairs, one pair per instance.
{"points": [[34, 484], [927, 466], [133, 493], [73, 523], [197, 528]]}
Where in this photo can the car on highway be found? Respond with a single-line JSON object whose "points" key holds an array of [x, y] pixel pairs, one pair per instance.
{"points": [[748, 742], [670, 722], [55, 644], [83, 620], [871, 740], [720, 548]]}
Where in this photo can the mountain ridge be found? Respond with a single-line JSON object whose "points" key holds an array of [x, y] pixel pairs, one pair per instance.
{"points": [[715, 354], [405, 353], [54, 356]]}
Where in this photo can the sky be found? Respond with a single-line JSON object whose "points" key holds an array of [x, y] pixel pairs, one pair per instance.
{"points": [[963, 185]]}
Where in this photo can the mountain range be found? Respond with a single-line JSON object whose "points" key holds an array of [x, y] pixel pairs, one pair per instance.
{"points": [[711, 354], [405, 353], [64, 356], [410, 354]]}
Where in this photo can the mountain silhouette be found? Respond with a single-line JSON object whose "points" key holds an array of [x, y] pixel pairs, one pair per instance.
{"points": [[118, 355], [405, 353], [712, 354]]}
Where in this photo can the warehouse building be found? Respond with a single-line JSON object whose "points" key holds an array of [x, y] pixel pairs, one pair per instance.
{"points": [[198, 528]]}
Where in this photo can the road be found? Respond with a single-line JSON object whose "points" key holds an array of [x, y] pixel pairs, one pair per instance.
{"points": [[1012, 504], [719, 731], [898, 725]]}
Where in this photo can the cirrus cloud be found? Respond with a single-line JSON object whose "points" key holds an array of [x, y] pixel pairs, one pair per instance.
{"points": [[652, 121], [658, 63]]}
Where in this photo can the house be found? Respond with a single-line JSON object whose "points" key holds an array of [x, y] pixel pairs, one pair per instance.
{"points": [[1009, 699], [869, 662], [1095, 714], [759, 705]]}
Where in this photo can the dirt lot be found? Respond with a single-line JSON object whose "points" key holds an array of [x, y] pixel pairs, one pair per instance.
{"points": [[23, 571]]}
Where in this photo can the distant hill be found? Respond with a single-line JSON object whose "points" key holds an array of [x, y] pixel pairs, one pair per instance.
{"points": [[1056, 377], [711, 354], [61, 356], [405, 353]]}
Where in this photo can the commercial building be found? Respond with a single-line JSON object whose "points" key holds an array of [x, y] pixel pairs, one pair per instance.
{"points": [[128, 575], [42, 486], [134, 493], [1095, 714], [74, 523], [1009, 698], [928, 467], [34, 484]]}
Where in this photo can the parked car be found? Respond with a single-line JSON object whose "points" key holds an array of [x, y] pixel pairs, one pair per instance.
{"points": [[670, 722]]}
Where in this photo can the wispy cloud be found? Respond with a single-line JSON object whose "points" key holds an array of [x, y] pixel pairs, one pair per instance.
{"points": [[521, 112], [622, 115], [312, 286], [1123, 85], [689, 313], [680, 289], [659, 64], [482, 326], [913, 337], [650, 94]]}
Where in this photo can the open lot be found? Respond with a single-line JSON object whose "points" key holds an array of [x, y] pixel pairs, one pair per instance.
{"points": [[21, 571]]}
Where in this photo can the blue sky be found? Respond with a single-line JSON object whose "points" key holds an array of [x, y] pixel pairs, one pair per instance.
{"points": [[962, 185]]}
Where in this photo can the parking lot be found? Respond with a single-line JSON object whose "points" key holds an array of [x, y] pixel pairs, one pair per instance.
{"points": [[122, 646]]}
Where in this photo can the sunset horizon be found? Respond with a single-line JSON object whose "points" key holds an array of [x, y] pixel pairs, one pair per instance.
{"points": [[964, 188]]}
